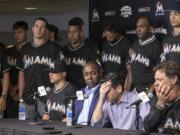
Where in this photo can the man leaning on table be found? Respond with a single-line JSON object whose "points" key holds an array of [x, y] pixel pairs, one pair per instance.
{"points": [[114, 105]]}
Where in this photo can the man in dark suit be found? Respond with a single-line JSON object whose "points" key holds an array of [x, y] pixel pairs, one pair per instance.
{"points": [[88, 96]]}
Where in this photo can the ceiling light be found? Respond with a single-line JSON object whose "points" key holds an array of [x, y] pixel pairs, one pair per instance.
{"points": [[5, 0], [30, 8]]}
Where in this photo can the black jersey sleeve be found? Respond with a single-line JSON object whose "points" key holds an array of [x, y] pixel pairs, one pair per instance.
{"points": [[157, 53], [4, 64], [126, 48], [153, 119], [20, 62]]}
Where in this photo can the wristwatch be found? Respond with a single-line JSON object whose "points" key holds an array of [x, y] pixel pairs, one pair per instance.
{"points": [[4, 96]]}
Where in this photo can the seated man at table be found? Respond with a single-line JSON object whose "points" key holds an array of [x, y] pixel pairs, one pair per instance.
{"points": [[165, 111], [84, 108], [114, 105], [56, 102]]}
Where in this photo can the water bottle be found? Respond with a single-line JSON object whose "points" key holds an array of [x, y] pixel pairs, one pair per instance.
{"points": [[69, 114], [22, 114]]}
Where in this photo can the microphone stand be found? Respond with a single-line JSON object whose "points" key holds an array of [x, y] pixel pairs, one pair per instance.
{"points": [[137, 115], [36, 106], [36, 95], [74, 123]]}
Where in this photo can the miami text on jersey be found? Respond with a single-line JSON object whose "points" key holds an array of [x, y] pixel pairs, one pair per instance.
{"points": [[111, 58], [168, 48], [140, 58], [173, 125], [75, 61], [31, 60], [55, 106]]}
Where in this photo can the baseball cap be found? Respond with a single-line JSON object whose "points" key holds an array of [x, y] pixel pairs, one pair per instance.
{"points": [[172, 5], [59, 66]]}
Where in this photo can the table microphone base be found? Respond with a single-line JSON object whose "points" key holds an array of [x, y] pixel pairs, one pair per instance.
{"points": [[76, 126], [36, 123]]}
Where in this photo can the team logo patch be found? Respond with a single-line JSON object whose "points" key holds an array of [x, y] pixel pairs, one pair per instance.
{"points": [[126, 11], [110, 13], [159, 9], [95, 17], [144, 9]]}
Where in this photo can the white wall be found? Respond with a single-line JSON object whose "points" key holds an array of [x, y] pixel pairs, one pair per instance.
{"points": [[60, 20]]}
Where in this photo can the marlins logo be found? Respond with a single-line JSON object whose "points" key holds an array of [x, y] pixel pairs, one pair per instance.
{"points": [[159, 9], [95, 17], [126, 11]]}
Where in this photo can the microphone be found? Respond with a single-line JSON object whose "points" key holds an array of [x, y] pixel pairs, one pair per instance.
{"points": [[70, 97], [143, 97], [86, 96]]}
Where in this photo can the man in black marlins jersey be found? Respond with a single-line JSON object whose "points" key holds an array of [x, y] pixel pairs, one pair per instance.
{"points": [[114, 50], [58, 100], [165, 111], [34, 58], [77, 53], [20, 30], [144, 55], [171, 45], [83, 36]]}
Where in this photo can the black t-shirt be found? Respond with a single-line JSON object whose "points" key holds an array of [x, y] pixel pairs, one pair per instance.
{"points": [[12, 56], [34, 61], [171, 49], [143, 58], [76, 59], [56, 102], [114, 56]]}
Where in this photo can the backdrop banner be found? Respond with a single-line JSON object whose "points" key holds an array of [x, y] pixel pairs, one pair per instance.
{"points": [[126, 12]]}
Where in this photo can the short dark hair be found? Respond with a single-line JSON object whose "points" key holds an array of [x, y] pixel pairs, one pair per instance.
{"points": [[116, 78], [170, 68], [93, 63], [79, 19], [20, 24], [41, 19], [53, 28], [113, 27], [146, 18], [76, 21]]}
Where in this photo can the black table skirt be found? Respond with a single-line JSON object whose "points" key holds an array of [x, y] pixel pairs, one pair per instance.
{"points": [[16, 127]]}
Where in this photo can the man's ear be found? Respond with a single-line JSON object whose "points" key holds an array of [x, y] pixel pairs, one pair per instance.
{"points": [[151, 29], [32, 28], [174, 80], [64, 74], [119, 88]]}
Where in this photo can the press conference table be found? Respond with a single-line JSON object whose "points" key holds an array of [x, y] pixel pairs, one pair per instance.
{"points": [[16, 127]]}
